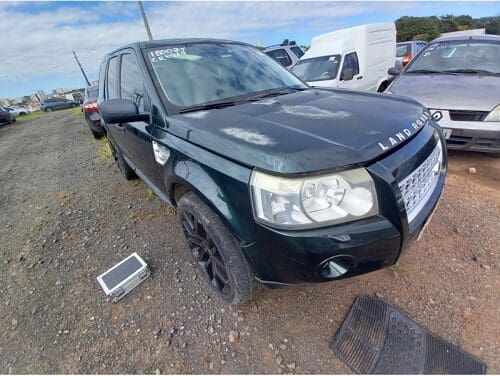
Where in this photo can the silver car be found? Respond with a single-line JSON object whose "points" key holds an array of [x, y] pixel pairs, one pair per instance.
{"points": [[458, 79]]}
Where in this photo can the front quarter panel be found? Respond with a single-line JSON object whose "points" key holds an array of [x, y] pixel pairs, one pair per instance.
{"points": [[221, 183]]}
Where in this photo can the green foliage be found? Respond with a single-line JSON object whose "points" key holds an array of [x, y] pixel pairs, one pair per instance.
{"points": [[428, 28]]}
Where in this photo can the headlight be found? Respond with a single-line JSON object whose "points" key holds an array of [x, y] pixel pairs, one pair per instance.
{"points": [[494, 115], [314, 201]]}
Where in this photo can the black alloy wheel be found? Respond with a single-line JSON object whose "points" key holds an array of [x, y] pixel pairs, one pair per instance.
{"points": [[206, 254]]}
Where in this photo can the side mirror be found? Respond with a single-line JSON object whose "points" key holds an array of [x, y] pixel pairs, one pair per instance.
{"points": [[394, 71], [347, 74], [116, 111]]}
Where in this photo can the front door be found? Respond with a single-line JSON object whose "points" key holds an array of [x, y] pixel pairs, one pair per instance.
{"points": [[350, 76], [138, 134]]}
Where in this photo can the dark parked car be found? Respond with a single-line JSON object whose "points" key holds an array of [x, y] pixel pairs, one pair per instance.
{"points": [[51, 104], [6, 117], [275, 183], [91, 111]]}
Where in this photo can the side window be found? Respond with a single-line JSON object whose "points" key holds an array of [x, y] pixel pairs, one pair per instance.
{"points": [[102, 74], [131, 81], [350, 62], [297, 51], [112, 78], [281, 56]]}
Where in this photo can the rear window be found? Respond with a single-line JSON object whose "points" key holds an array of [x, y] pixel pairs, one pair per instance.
{"points": [[92, 93], [403, 49], [281, 56], [297, 51]]}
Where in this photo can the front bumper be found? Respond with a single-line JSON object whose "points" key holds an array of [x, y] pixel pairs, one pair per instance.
{"points": [[282, 257], [482, 136]]}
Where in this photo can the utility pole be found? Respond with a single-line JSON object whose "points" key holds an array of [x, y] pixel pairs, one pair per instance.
{"points": [[81, 68], [146, 24]]}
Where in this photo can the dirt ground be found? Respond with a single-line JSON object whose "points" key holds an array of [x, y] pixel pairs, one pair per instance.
{"points": [[67, 215]]}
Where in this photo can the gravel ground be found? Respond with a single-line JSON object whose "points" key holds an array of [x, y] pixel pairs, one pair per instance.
{"points": [[67, 215]]}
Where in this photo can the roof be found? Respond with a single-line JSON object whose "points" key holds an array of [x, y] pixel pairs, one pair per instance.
{"points": [[484, 37], [173, 42]]}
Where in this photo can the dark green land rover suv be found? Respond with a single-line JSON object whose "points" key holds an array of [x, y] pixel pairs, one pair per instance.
{"points": [[275, 183]]}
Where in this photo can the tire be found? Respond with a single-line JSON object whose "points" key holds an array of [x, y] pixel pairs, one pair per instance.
{"points": [[22, 114], [97, 135], [126, 170], [216, 251], [73, 105], [13, 120], [48, 109], [382, 87]]}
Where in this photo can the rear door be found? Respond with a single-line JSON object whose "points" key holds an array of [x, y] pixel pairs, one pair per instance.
{"points": [[111, 91]]}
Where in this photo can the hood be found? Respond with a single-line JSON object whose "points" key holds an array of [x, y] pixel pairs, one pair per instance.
{"points": [[305, 131], [450, 92]]}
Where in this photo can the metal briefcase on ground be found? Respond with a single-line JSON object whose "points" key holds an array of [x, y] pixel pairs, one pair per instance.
{"points": [[124, 277]]}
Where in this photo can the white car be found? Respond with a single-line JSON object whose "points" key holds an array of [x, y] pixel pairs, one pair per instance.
{"points": [[20, 111]]}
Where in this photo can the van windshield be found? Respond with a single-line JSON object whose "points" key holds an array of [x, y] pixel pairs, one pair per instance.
{"points": [[460, 56], [196, 74], [317, 68]]}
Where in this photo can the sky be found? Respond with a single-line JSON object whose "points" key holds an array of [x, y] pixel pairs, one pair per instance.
{"points": [[39, 37]]}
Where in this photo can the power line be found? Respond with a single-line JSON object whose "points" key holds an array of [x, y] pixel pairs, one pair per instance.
{"points": [[93, 48], [107, 31]]}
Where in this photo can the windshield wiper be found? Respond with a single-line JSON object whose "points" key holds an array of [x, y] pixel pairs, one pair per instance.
{"points": [[473, 71], [276, 92], [428, 71], [208, 106], [269, 93]]}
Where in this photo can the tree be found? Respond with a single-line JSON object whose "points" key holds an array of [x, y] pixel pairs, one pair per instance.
{"points": [[428, 28]]}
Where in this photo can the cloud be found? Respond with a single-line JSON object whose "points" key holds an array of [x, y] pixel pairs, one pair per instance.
{"points": [[42, 36]]}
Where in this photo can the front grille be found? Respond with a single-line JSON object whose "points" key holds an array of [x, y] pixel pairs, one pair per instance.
{"points": [[417, 187], [464, 115]]}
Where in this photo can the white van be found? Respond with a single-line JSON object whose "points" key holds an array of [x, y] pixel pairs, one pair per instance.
{"points": [[356, 58]]}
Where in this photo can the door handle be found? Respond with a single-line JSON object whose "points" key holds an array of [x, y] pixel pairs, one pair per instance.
{"points": [[359, 77]]}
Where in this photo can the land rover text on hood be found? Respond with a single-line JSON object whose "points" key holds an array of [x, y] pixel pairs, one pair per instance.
{"points": [[274, 182], [458, 80]]}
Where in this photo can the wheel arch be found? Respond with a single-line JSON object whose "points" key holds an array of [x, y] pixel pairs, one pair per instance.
{"points": [[226, 196]]}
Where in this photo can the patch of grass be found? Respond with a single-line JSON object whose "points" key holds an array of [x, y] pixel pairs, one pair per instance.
{"points": [[171, 210], [105, 151], [150, 194], [76, 111], [398, 270], [31, 116]]}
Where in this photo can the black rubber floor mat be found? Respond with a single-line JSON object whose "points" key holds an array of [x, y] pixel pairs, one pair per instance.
{"points": [[376, 338]]}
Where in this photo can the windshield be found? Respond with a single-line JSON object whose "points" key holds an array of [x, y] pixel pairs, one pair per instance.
{"points": [[195, 74], [459, 57], [317, 68], [402, 49]]}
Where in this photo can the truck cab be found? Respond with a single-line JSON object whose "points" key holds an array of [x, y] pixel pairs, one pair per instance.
{"points": [[356, 58]]}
